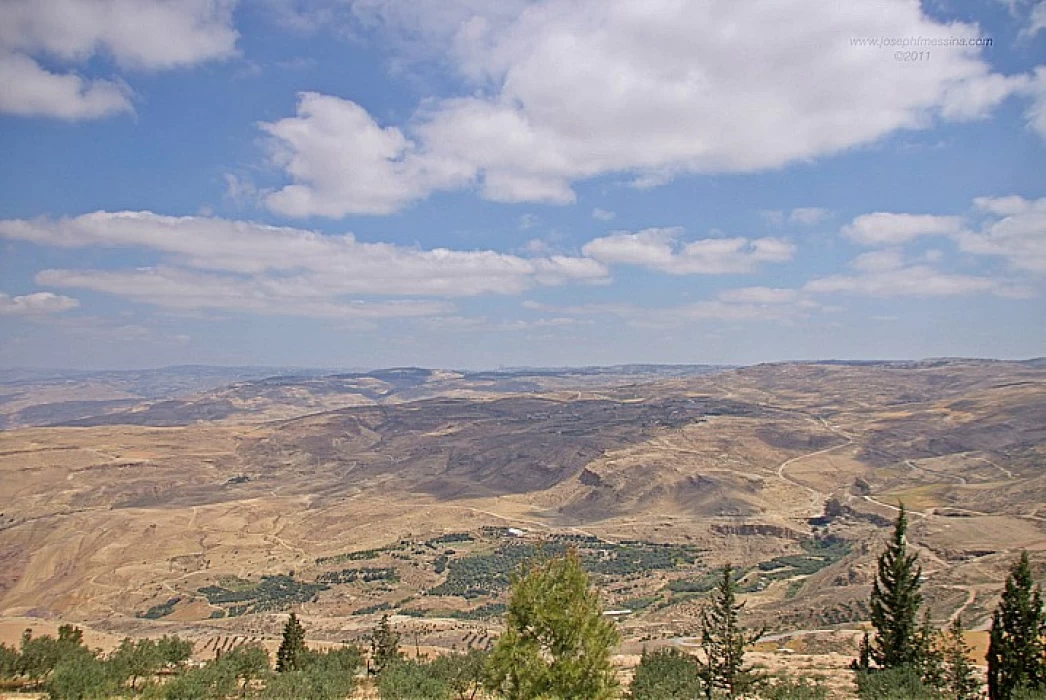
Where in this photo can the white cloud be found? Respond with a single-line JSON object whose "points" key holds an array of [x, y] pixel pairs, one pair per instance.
{"points": [[528, 221], [759, 295], [143, 34], [892, 229], [287, 271], [183, 290], [37, 304], [569, 91], [240, 191], [28, 90], [808, 216], [1010, 227], [911, 281], [342, 162], [603, 214], [137, 34], [1036, 20], [684, 314], [660, 249], [1019, 237], [879, 260]]}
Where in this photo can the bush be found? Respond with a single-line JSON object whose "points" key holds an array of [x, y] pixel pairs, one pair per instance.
{"points": [[412, 680], [666, 674], [463, 673], [897, 683], [784, 687]]}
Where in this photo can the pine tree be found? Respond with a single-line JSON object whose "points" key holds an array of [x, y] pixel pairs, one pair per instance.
{"points": [[895, 603], [557, 642], [959, 681], [723, 640], [930, 658], [384, 645], [292, 649], [1017, 647]]}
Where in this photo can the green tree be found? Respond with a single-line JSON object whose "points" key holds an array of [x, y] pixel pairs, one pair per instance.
{"points": [[930, 659], [328, 675], [8, 661], [409, 679], [1016, 650], [292, 648], [134, 660], [215, 681], [557, 642], [463, 673], [38, 656], [960, 679], [80, 675], [666, 674], [384, 645], [895, 602], [173, 650], [723, 640], [248, 663]]}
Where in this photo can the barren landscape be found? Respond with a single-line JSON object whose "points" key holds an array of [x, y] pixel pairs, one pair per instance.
{"points": [[159, 519]]}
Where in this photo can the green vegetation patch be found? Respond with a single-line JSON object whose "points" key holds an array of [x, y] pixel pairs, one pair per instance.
{"points": [[161, 610], [377, 607], [362, 555], [488, 574], [821, 552], [269, 594], [365, 574]]}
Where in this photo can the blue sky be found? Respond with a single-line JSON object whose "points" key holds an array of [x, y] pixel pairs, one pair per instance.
{"points": [[365, 183]]}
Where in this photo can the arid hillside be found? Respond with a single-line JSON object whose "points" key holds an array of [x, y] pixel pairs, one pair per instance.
{"points": [[421, 491]]}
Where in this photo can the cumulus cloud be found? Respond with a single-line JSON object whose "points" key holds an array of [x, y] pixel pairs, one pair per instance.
{"points": [[143, 34], [1009, 227], [1019, 236], [137, 34], [892, 229], [603, 214], [341, 161], [28, 90], [660, 249], [38, 304], [565, 92]]}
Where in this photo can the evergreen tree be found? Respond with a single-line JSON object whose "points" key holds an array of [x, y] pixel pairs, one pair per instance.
{"points": [[292, 648], [960, 680], [863, 662], [557, 642], [895, 603], [723, 640], [930, 659], [384, 645], [1017, 648]]}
